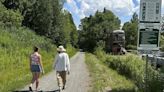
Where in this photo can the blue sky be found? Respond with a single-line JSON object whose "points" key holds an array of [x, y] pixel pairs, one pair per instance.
{"points": [[83, 8]]}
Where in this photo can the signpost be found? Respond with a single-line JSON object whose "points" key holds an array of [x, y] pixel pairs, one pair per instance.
{"points": [[149, 25], [149, 29], [162, 24]]}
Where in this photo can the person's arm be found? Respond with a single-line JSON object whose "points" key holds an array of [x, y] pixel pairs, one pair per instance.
{"points": [[68, 63], [30, 61], [41, 64], [55, 61]]}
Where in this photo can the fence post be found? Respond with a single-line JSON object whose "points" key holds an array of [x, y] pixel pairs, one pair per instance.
{"points": [[146, 73]]}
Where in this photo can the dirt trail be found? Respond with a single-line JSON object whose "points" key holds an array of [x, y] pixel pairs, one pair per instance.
{"points": [[77, 81]]}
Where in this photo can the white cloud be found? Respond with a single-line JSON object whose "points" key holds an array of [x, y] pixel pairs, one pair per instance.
{"points": [[73, 6], [83, 8], [138, 1], [69, 1], [121, 8], [162, 7]]}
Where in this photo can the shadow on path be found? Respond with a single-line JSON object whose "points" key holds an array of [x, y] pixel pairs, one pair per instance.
{"points": [[35, 91]]}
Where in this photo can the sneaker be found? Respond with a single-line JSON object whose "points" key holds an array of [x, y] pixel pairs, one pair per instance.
{"points": [[60, 89], [30, 88], [38, 90], [64, 87]]}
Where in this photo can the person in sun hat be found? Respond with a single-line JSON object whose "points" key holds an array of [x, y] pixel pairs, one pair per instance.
{"points": [[62, 66]]}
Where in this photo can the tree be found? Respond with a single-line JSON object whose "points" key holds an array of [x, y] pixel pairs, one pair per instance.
{"points": [[41, 17], [9, 17], [135, 18], [70, 28], [46, 18], [131, 29], [95, 29]]}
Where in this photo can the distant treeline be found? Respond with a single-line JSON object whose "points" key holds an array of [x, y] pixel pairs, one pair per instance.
{"points": [[94, 30]]}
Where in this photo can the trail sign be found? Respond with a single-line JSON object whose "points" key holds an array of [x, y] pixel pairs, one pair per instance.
{"points": [[148, 39], [149, 25], [149, 29], [150, 11]]}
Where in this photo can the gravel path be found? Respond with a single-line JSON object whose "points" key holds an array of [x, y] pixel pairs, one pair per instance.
{"points": [[77, 81]]}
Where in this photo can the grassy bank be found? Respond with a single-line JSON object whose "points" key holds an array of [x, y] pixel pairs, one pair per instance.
{"points": [[16, 44], [102, 77], [133, 67]]}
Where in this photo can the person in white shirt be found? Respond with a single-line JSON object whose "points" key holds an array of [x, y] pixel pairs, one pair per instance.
{"points": [[62, 67]]}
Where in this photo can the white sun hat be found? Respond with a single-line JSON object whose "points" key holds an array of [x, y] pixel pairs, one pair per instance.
{"points": [[61, 48]]}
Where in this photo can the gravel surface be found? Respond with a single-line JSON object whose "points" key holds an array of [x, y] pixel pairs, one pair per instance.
{"points": [[77, 81]]}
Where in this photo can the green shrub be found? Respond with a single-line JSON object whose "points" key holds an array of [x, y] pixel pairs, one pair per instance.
{"points": [[10, 17], [129, 66], [71, 50], [162, 48], [162, 43], [131, 47], [133, 68], [155, 82], [100, 53]]}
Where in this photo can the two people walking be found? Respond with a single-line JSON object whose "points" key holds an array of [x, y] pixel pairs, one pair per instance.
{"points": [[61, 65]]}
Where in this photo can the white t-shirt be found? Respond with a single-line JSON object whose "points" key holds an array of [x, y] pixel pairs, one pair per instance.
{"points": [[62, 62]]}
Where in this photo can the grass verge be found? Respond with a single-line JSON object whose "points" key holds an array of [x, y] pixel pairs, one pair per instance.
{"points": [[133, 67], [103, 77]]}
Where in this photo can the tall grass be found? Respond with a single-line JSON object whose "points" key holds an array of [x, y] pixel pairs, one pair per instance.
{"points": [[16, 44], [71, 50], [133, 68], [104, 77]]}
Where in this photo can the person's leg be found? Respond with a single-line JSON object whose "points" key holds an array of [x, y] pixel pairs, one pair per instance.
{"points": [[33, 78], [37, 79], [32, 81], [63, 76], [59, 79]]}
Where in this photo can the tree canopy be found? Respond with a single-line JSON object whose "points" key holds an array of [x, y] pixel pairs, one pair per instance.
{"points": [[131, 30], [45, 17], [95, 29]]}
